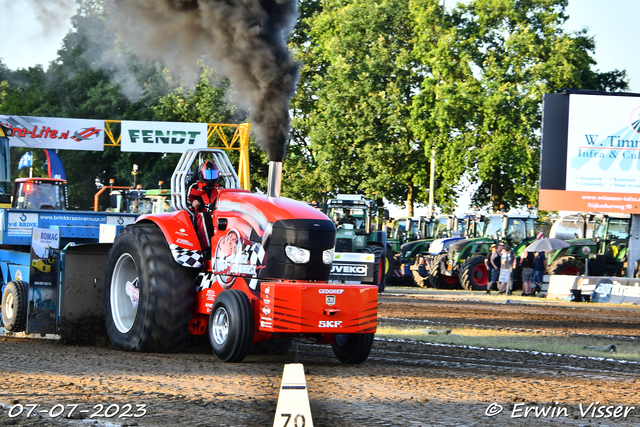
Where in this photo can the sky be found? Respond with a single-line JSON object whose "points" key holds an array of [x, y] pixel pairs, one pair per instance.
{"points": [[26, 41]]}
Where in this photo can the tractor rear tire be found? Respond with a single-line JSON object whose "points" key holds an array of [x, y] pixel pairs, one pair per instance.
{"points": [[148, 297], [231, 326], [390, 265], [439, 280], [379, 263], [352, 348], [475, 275], [14, 306], [567, 266]]}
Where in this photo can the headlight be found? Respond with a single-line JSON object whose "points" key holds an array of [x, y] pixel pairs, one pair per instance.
{"points": [[327, 256], [297, 255]]}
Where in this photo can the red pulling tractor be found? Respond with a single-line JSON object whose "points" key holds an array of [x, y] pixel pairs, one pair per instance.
{"points": [[265, 278]]}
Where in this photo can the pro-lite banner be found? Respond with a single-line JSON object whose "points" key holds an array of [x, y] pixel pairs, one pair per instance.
{"points": [[162, 137], [55, 133]]}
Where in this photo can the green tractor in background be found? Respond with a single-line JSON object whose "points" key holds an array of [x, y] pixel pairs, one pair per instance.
{"points": [[141, 201], [409, 229], [410, 261], [605, 246], [361, 234], [463, 259]]}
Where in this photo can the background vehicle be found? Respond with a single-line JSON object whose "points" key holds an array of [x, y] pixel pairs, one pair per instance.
{"points": [[141, 201], [463, 259], [605, 245], [39, 193], [412, 261], [362, 238]]}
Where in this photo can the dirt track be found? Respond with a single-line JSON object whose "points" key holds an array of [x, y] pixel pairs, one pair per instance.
{"points": [[402, 383]]}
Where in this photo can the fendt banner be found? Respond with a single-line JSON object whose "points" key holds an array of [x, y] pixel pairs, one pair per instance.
{"points": [[55, 133], [162, 137], [590, 157]]}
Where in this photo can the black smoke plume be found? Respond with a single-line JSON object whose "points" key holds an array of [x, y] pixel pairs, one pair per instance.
{"points": [[244, 40]]}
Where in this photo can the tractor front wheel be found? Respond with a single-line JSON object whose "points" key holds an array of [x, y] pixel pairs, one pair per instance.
{"points": [[231, 326], [148, 297], [439, 280], [14, 306], [352, 348]]}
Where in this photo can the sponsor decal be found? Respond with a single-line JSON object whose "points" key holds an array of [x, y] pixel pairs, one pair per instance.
{"points": [[266, 310], [330, 299], [162, 137], [353, 257], [349, 269], [331, 291], [21, 224], [184, 242], [133, 292], [330, 324]]}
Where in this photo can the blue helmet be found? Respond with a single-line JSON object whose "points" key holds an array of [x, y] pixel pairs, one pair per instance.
{"points": [[208, 171]]}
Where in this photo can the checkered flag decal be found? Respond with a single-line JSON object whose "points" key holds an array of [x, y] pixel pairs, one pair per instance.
{"points": [[204, 281], [257, 254], [187, 257]]}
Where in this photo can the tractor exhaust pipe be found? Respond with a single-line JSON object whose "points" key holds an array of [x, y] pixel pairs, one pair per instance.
{"points": [[275, 179]]}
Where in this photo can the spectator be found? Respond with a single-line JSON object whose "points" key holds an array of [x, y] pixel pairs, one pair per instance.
{"points": [[527, 262], [490, 268], [507, 262], [495, 263], [539, 269]]}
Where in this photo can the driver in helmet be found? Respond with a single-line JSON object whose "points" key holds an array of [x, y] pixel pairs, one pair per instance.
{"points": [[202, 196]]}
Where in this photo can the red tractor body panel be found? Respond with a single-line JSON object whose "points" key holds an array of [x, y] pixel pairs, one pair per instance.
{"points": [[176, 227], [317, 308]]}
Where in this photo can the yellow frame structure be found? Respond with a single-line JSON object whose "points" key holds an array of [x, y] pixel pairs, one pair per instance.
{"points": [[239, 141]]}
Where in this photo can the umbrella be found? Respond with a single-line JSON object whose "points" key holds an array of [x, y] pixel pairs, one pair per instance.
{"points": [[546, 244]]}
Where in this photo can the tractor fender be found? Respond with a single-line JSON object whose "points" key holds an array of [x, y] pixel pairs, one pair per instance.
{"points": [[180, 234]]}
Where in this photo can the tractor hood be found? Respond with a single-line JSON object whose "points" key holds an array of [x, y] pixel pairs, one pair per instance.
{"points": [[442, 245]]}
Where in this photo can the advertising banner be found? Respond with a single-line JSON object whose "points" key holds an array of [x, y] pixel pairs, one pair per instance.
{"points": [[55, 133], [591, 153], [43, 281], [162, 137], [617, 291]]}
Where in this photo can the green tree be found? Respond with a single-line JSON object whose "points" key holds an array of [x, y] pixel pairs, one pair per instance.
{"points": [[351, 129], [500, 57]]}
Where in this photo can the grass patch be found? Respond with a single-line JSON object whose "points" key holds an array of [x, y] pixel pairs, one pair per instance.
{"points": [[546, 343]]}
